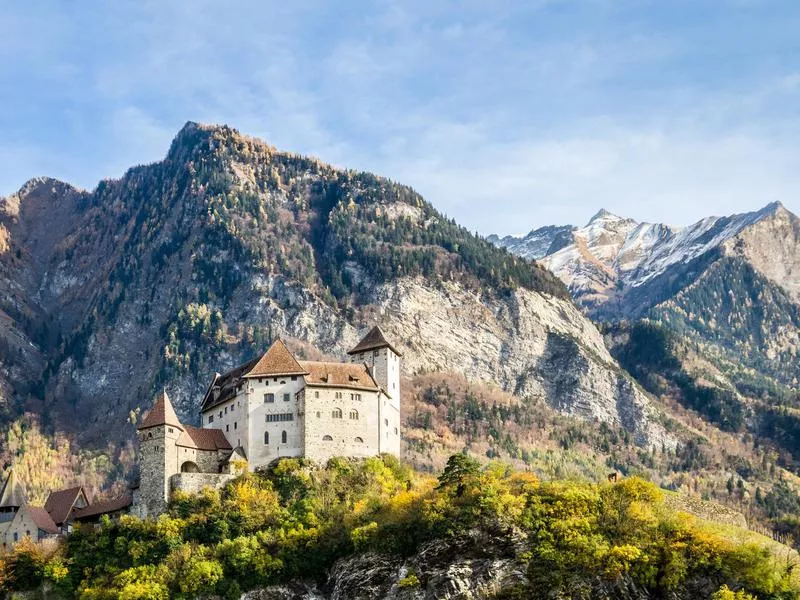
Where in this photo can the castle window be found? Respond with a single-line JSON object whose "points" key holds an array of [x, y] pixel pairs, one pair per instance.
{"points": [[220, 414], [283, 382], [16, 536], [235, 424], [294, 377], [355, 396], [170, 429], [149, 435], [354, 414], [287, 397], [395, 430], [338, 395], [227, 427], [210, 418], [277, 418], [316, 394], [359, 440], [376, 353], [266, 437], [319, 414], [325, 438], [386, 422], [226, 410], [269, 398], [336, 413], [283, 437]]}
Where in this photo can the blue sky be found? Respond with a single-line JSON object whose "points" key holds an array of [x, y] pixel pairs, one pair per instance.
{"points": [[505, 115]]}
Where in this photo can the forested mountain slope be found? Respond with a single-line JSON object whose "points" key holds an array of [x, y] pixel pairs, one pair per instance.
{"points": [[193, 264]]}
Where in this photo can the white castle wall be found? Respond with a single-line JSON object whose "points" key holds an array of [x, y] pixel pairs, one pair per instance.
{"points": [[356, 433]]}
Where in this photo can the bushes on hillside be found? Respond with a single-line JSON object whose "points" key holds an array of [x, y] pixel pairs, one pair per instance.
{"points": [[295, 520]]}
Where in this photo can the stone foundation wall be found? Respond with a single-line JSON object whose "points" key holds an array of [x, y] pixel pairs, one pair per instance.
{"points": [[194, 482]]}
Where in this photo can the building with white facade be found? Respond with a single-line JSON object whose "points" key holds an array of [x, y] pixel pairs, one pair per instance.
{"points": [[271, 407], [277, 406]]}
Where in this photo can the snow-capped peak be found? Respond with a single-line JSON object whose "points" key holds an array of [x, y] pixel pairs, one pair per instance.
{"points": [[604, 215]]}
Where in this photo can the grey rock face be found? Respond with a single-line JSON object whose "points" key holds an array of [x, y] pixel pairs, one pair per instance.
{"points": [[476, 566]]}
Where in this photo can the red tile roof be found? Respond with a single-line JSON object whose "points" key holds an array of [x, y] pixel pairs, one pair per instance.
{"points": [[102, 508], [349, 375], [277, 360], [59, 504], [42, 519], [203, 439], [374, 340], [162, 413]]}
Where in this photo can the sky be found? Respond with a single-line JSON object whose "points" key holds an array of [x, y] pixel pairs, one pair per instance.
{"points": [[505, 115]]}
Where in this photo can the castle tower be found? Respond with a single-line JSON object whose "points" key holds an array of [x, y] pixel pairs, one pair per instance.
{"points": [[383, 359], [158, 456]]}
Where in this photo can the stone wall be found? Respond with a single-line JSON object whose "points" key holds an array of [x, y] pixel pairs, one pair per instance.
{"points": [[355, 436], [158, 460], [194, 482]]}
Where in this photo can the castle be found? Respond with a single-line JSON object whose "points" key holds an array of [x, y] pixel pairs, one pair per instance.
{"points": [[271, 407]]}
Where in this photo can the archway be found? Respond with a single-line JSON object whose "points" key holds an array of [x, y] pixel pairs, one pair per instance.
{"points": [[189, 467]]}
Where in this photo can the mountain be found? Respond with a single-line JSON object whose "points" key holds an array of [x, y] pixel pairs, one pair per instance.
{"points": [[726, 289], [193, 264]]}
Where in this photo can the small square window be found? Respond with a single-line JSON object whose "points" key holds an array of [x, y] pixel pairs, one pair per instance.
{"points": [[170, 429], [269, 398], [210, 418], [294, 377], [287, 397], [316, 394]]}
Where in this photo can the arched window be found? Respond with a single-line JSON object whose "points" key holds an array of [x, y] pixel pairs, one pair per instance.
{"points": [[283, 437], [359, 440], [354, 414], [327, 438], [149, 435], [266, 437], [336, 413]]}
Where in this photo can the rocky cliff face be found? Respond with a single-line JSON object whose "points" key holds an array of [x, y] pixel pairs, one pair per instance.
{"points": [[483, 565], [193, 264]]}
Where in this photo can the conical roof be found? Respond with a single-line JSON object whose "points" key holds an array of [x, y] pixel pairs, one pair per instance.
{"points": [[374, 340], [162, 413], [12, 495], [276, 361]]}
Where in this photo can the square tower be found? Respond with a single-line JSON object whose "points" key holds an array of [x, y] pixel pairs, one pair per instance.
{"points": [[158, 457], [383, 361]]}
